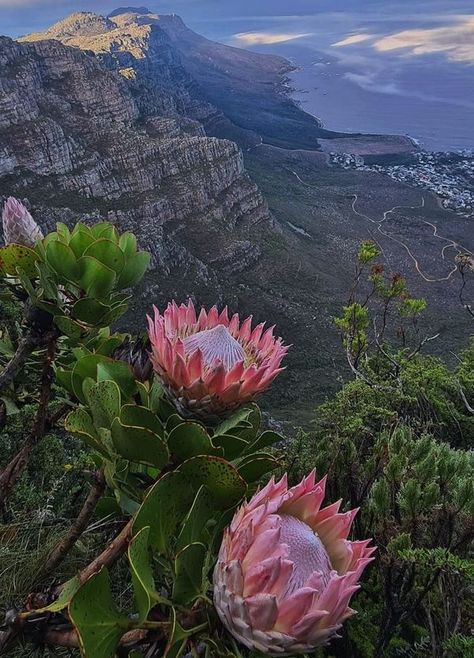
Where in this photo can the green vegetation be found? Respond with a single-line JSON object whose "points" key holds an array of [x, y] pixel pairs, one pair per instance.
{"points": [[395, 441]]}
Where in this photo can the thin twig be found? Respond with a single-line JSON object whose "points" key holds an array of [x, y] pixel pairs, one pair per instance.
{"points": [[421, 345], [68, 637], [25, 347], [465, 400], [15, 468], [80, 524]]}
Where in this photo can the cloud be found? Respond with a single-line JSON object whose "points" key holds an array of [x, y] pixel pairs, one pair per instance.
{"points": [[15, 4], [456, 41], [352, 39], [370, 82], [263, 38]]}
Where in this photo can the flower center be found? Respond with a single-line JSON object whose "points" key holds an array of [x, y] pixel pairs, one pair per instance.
{"points": [[306, 551], [216, 344]]}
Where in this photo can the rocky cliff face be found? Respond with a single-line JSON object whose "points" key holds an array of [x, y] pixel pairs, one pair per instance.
{"points": [[139, 49], [82, 138]]}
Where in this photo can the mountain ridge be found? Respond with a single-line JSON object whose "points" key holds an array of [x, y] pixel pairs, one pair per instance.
{"points": [[276, 244]]}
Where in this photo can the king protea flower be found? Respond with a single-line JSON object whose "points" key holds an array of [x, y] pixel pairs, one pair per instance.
{"points": [[210, 364], [286, 570], [19, 227]]}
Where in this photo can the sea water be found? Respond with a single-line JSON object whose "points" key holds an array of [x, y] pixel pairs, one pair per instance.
{"points": [[370, 66]]}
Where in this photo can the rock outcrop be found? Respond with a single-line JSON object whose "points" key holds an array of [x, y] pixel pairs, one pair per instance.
{"points": [[82, 138]]}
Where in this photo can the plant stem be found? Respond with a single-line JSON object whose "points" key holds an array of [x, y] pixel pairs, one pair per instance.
{"points": [[68, 637], [13, 470], [111, 554], [25, 347], [39, 328], [80, 524]]}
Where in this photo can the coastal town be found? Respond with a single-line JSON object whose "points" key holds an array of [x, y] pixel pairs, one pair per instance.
{"points": [[449, 175]]}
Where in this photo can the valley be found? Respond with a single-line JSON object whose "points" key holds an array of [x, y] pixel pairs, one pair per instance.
{"points": [[141, 120]]}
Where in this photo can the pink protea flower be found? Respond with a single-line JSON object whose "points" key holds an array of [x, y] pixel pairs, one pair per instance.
{"points": [[19, 227], [286, 570], [210, 364]]}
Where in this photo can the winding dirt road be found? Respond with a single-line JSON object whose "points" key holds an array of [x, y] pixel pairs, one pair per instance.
{"points": [[450, 244]]}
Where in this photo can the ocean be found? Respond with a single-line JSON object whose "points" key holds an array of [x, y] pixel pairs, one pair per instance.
{"points": [[385, 67]]}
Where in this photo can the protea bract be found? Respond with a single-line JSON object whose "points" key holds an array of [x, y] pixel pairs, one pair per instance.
{"points": [[210, 364], [19, 227], [286, 570], [134, 351]]}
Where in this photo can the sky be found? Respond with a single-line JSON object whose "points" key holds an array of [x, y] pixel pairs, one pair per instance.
{"points": [[453, 35], [23, 16]]}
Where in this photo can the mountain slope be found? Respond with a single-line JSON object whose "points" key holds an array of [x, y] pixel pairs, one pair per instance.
{"points": [[113, 122], [74, 140], [235, 93]]}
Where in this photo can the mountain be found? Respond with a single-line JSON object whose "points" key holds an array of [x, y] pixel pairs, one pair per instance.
{"points": [[75, 140], [198, 148], [233, 92]]}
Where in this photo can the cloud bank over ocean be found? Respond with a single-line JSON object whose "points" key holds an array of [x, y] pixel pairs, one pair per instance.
{"points": [[266, 38], [455, 41]]}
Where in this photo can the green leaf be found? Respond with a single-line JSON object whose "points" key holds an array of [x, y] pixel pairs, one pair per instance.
{"points": [[68, 327], [128, 244], [233, 446], [173, 421], [233, 421], [120, 373], [64, 379], [254, 419], [189, 574], [142, 574], [64, 234], [254, 467], [161, 405], [104, 230], [108, 253], [106, 345], [79, 422], [134, 270], [190, 439], [107, 507], [68, 590], [98, 623], [139, 444], [97, 279], [177, 638], [15, 256], [90, 311], [194, 525], [134, 414], [164, 508], [62, 260], [46, 281], [31, 291], [220, 477], [113, 315], [85, 367], [103, 399], [79, 242], [264, 440]]}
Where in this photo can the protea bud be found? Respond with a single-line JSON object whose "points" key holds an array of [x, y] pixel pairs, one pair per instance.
{"points": [[211, 365], [134, 351], [19, 227], [286, 570]]}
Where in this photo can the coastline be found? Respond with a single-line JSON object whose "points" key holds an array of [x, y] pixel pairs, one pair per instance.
{"points": [[344, 142]]}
